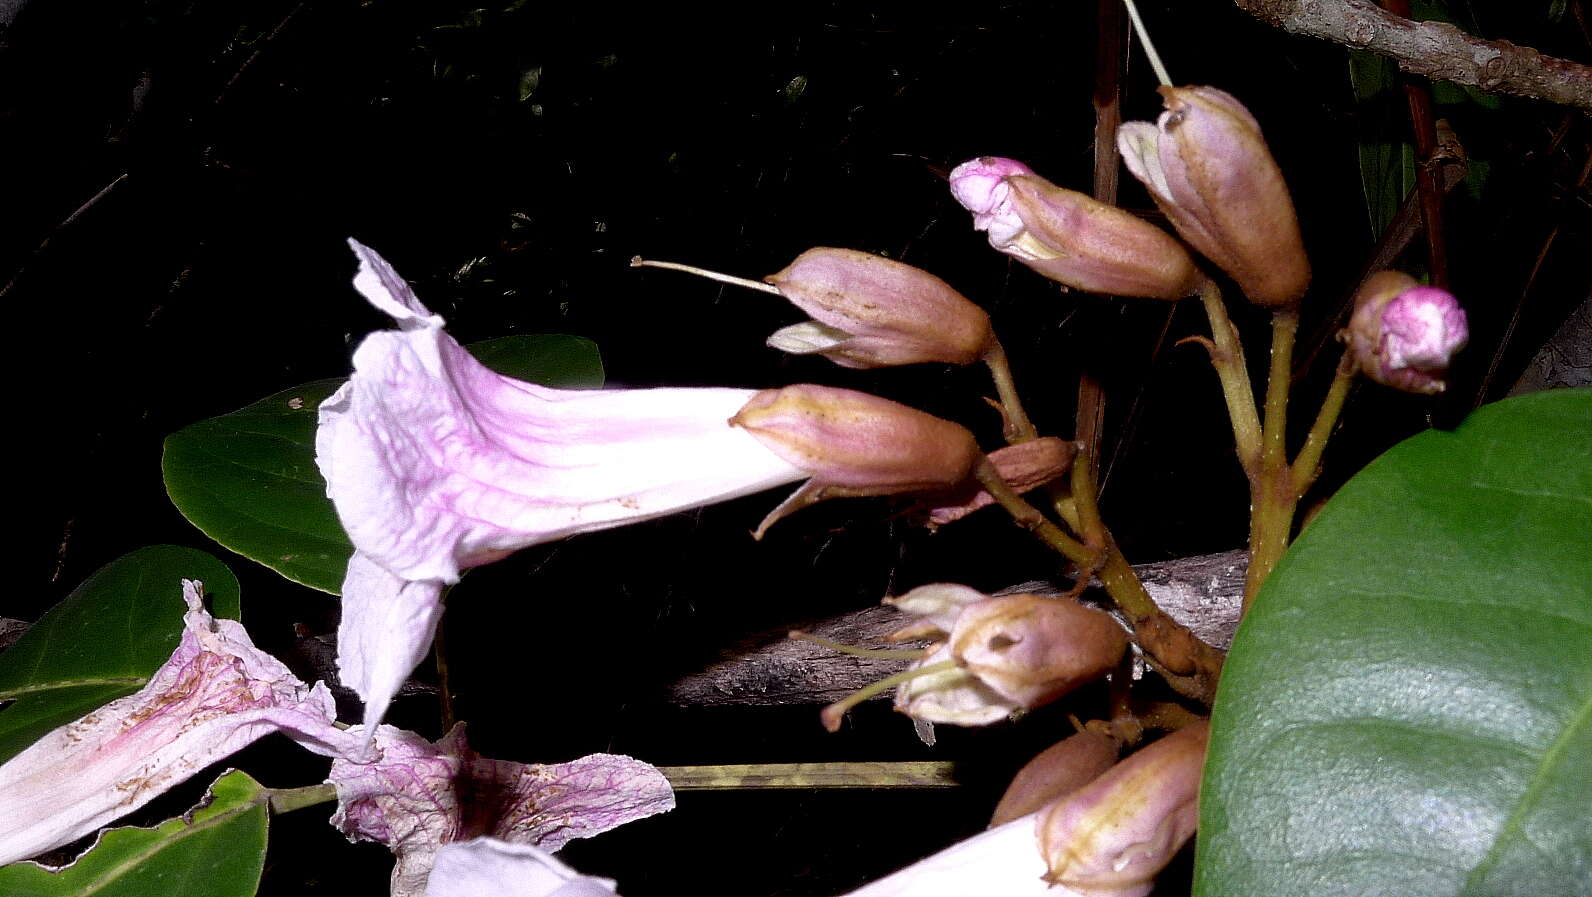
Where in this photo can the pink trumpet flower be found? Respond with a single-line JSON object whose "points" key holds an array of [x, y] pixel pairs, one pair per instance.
{"points": [[489, 866], [436, 463], [216, 694], [421, 796]]}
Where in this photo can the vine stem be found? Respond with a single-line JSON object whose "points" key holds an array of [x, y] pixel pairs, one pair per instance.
{"points": [[1018, 428], [1273, 497], [286, 800], [1191, 666], [1308, 464], [1227, 356]]}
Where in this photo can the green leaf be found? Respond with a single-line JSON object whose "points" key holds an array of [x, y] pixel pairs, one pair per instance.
{"points": [[1387, 160], [104, 640], [248, 479], [1407, 709], [216, 850]]}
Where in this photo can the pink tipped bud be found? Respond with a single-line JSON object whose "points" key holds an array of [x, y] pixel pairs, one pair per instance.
{"points": [[1070, 237], [870, 312], [855, 444], [1207, 166], [1111, 837], [1059, 770], [1015, 652], [1403, 334]]}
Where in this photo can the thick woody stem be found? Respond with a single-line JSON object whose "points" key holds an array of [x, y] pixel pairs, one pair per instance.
{"points": [[1437, 50]]}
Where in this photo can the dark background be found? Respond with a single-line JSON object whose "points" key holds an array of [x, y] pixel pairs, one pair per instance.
{"points": [[509, 161]]}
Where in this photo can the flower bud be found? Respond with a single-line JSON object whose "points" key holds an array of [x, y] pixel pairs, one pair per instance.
{"points": [[1004, 654], [1024, 466], [855, 444], [1208, 168], [1069, 236], [1060, 769], [1403, 334], [1111, 837], [869, 311]]}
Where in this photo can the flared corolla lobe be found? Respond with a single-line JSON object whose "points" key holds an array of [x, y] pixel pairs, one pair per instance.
{"points": [[1071, 237], [487, 866], [869, 311], [1404, 335], [855, 444], [1111, 837], [1208, 168]]}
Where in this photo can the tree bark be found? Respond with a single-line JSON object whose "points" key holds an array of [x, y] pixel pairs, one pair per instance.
{"points": [[1203, 593], [1437, 50]]}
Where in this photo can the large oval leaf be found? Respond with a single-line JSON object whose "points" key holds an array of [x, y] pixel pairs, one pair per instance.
{"points": [[248, 479], [1408, 707], [216, 850], [104, 640]]}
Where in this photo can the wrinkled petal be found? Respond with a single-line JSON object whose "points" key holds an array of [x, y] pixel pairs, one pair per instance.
{"points": [[1001, 862], [421, 795], [386, 629], [216, 694], [485, 866]]}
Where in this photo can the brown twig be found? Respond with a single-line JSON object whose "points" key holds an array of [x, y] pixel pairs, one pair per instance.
{"points": [[1437, 50]]}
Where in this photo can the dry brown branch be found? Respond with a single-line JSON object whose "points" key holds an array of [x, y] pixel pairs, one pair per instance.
{"points": [[1203, 593], [1437, 50]]}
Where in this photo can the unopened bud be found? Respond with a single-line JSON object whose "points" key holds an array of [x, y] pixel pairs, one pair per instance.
{"points": [[1059, 770], [1024, 466], [855, 444], [1207, 166], [1111, 837], [1069, 236], [868, 311], [1015, 652], [1403, 334]]}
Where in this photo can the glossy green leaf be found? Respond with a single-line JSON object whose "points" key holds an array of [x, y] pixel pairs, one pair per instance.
{"points": [[104, 640], [216, 850], [1407, 709], [248, 479]]}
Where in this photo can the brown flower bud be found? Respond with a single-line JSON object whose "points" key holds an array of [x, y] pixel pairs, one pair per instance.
{"points": [[1024, 466], [1069, 236], [1207, 166], [869, 311], [855, 444], [1110, 837], [1060, 769]]}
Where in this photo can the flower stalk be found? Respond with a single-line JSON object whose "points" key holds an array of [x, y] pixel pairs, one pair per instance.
{"points": [[1015, 423], [1227, 356]]}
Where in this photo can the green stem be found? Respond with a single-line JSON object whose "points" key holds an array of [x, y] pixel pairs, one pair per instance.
{"points": [[1308, 465], [1017, 425], [1272, 503], [1227, 357], [1284, 326], [286, 800], [831, 715], [1192, 667]]}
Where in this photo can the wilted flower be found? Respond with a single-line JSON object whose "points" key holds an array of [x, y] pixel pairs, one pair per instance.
{"points": [[420, 796], [1110, 837], [999, 655], [436, 463], [216, 694], [1207, 166], [484, 866], [1015, 652], [1403, 334], [1069, 236], [868, 311], [1058, 770], [855, 444]]}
